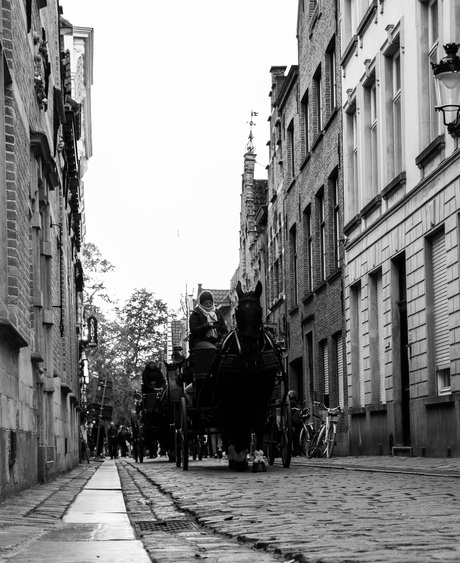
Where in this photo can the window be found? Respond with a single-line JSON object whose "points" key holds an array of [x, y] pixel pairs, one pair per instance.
{"points": [[357, 343], [351, 177], [324, 369], [322, 232], [376, 336], [308, 250], [293, 248], [393, 110], [397, 145], [290, 150], [434, 17], [334, 198], [317, 109], [331, 80], [440, 312], [338, 345], [371, 160], [304, 126]]}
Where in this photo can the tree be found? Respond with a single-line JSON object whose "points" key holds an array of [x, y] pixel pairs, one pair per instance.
{"points": [[95, 268], [134, 334], [142, 330]]}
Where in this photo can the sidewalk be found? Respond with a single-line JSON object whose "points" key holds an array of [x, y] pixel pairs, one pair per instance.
{"points": [[81, 516], [95, 526], [446, 467]]}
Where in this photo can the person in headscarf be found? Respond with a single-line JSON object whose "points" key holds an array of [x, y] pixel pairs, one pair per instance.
{"points": [[206, 322], [152, 378]]}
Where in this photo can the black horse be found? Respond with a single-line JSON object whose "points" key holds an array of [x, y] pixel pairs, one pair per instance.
{"points": [[245, 379]]}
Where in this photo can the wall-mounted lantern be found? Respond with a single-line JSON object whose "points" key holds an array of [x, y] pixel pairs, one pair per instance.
{"points": [[447, 84]]}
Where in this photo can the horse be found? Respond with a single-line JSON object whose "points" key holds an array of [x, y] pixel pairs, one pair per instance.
{"points": [[245, 379]]}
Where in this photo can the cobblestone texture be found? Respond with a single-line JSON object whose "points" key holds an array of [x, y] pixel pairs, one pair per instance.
{"points": [[340, 510]]}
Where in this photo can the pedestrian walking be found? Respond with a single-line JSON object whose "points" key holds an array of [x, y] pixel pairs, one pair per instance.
{"points": [[124, 437], [112, 436]]}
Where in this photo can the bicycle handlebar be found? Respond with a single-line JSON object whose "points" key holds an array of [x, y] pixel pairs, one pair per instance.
{"points": [[334, 410]]}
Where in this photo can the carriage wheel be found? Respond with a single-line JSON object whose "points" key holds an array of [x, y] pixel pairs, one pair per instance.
{"points": [[177, 439], [184, 433], [272, 438], [286, 433]]}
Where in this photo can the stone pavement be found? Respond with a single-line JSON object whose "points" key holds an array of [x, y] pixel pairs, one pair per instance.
{"points": [[167, 508]]}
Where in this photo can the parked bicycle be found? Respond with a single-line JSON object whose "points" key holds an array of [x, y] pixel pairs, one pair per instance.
{"points": [[307, 437], [324, 440]]}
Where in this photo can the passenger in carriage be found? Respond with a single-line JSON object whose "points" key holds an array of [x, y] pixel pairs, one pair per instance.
{"points": [[152, 378], [207, 325]]}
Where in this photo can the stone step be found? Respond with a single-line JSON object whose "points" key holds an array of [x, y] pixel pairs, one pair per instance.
{"points": [[402, 450]]}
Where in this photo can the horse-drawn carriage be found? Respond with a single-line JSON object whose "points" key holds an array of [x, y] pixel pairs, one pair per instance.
{"points": [[153, 427], [238, 391]]}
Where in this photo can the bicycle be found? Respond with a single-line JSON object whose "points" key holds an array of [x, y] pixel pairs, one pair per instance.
{"points": [[307, 441], [325, 438]]}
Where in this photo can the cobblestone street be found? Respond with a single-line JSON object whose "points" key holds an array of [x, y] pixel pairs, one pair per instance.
{"points": [[349, 509], [317, 510]]}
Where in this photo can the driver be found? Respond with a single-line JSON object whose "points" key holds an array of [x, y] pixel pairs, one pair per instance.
{"points": [[207, 324]]}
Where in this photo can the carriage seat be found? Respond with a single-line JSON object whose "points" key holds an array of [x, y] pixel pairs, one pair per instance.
{"points": [[202, 356]]}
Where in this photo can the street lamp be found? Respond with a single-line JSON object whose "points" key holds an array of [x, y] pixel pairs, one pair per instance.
{"points": [[447, 85]]}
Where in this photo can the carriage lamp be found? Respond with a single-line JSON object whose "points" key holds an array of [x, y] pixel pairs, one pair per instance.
{"points": [[447, 86]]}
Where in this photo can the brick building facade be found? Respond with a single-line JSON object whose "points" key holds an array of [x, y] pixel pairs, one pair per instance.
{"points": [[43, 139], [305, 254]]}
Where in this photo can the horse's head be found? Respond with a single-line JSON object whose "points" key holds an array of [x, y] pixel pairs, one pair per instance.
{"points": [[248, 313]]}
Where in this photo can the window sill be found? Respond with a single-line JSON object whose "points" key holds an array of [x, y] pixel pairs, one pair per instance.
{"points": [[371, 206], [291, 183], [320, 287], [293, 311], [347, 54], [357, 411], [307, 298], [394, 185], [331, 118], [367, 18], [10, 335], [441, 400], [314, 18], [305, 160], [336, 274], [430, 152], [352, 224], [316, 142]]}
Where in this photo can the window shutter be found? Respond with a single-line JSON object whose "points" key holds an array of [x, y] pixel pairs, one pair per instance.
{"points": [[381, 349], [440, 308], [340, 370], [360, 347], [326, 369]]}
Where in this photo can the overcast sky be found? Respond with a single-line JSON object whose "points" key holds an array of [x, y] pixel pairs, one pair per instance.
{"points": [[174, 86]]}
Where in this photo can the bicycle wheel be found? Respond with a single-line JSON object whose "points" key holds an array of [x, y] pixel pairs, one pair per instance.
{"points": [[311, 452], [306, 436], [321, 444], [330, 441], [304, 441]]}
